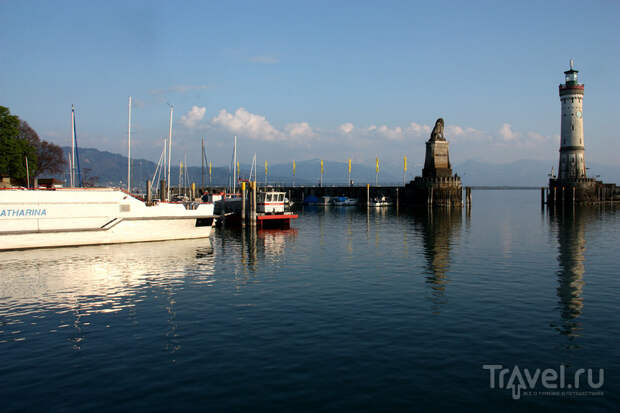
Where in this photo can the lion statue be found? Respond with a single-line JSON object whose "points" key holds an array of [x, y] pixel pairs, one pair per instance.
{"points": [[437, 133]]}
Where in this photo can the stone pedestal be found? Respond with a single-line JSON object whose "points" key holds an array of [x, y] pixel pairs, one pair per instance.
{"points": [[440, 191], [437, 186]]}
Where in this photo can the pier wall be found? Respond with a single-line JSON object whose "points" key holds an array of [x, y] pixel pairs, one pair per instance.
{"points": [[581, 191]]}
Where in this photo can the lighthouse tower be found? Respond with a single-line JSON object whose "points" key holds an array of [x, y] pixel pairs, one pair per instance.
{"points": [[572, 162]]}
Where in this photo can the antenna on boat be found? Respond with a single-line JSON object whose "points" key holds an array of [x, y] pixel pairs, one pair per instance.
{"points": [[129, 149], [169, 149]]}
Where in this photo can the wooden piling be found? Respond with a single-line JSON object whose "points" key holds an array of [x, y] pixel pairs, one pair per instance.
{"points": [[367, 195], [563, 191], [149, 193], [162, 190], [253, 213], [542, 196]]}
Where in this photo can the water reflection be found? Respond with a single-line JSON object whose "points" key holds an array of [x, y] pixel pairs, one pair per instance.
{"points": [[440, 228], [570, 226], [254, 246], [100, 279]]}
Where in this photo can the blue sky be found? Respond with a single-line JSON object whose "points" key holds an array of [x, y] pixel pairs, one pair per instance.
{"points": [[320, 79]]}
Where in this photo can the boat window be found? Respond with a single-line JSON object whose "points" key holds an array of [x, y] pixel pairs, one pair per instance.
{"points": [[268, 197], [281, 197]]}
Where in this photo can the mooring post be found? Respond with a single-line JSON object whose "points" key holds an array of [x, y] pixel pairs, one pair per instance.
{"points": [[573, 196], [542, 196], [243, 204], [162, 190], [367, 195], [397, 199], [563, 191], [555, 195], [149, 193], [253, 219]]}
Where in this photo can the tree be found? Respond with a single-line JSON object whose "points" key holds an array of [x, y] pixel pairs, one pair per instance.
{"points": [[50, 157], [14, 150], [19, 141]]}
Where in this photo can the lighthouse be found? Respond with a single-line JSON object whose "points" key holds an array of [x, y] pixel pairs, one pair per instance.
{"points": [[572, 186], [572, 161]]}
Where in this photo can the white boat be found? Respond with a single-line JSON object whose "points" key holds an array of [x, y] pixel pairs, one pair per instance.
{"points": [[270, 202], [344, 201], [36, 218], [324, 200], [380, 202]]}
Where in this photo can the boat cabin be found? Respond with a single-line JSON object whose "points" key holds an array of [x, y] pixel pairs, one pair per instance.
{"points": [[270, 202]]}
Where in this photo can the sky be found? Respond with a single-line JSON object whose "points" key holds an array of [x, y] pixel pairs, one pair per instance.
{"points": [[321, 79]]}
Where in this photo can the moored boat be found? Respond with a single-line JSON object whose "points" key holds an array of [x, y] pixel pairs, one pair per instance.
{"points": [[37, 218], [381, 201], [343, 201]]}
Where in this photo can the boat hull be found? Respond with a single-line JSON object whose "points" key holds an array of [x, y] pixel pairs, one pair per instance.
{"points": [[71, 217]]}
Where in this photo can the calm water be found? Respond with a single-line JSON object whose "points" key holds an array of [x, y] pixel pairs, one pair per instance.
{"points": [[346, 312]]}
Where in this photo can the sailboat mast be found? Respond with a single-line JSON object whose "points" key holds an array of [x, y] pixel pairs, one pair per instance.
{"points": [[169, 150], [235, 167], [72, 171], [202, 162], [129, 149]]}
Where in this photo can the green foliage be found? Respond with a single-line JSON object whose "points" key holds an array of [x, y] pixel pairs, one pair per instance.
{"points": [[18, 141], [12, 149]]}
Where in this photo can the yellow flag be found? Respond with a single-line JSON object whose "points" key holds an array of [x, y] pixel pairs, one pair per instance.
{"points": [[349, 165], [210, 165], [321, 166], [238, 169], [294, 167], [266, 169], [405, 164], [377, 165], [181, 166]]}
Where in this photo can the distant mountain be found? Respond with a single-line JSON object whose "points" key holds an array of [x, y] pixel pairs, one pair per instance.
{"points": [[111, 170], [523, 172]]}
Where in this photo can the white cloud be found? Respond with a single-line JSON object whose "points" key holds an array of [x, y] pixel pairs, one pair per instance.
{"points": [[372, 128], [247, 124], [299, 129], [195, 115], [454, 130], [507, 133], [265, 60], [346, 128], [390, 133], [418, 130]]}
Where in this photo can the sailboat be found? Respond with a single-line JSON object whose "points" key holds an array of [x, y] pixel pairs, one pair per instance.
{"points": [[56, 217]]}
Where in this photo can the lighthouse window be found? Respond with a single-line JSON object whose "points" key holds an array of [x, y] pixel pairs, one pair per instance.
{"points": [[573, 126]]}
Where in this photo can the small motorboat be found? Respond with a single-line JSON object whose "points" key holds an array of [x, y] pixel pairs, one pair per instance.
{"points": [[381, 201], [343, 201]]}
